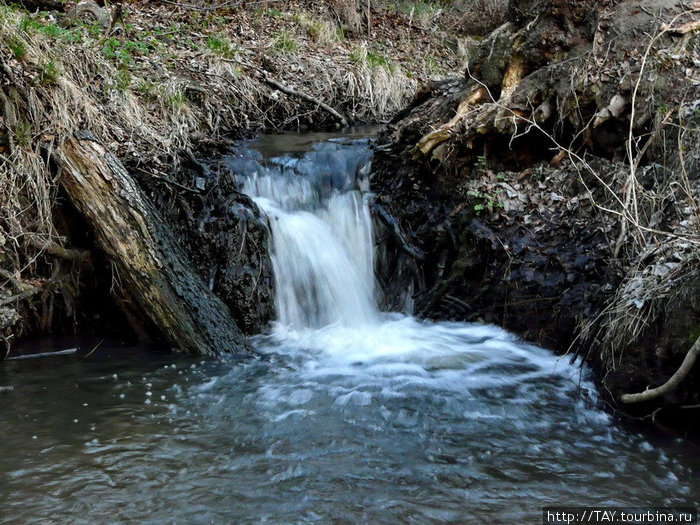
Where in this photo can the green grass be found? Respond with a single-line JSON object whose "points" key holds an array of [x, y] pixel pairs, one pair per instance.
{"points": [[319, 29], [23, 132], [122, 79], [285, 42], [372, 57], [58, 33], [17, 48], [50, 73], [123, 52], [177, 100], [270, 13], [221, 46], [30, 26], [420, 9]]}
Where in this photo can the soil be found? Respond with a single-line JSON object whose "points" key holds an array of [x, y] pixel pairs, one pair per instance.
{"points": [[503, 190], [166, 88]]}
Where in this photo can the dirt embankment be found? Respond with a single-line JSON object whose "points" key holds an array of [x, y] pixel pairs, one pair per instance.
{"points": [[161, 85], [553, 188]]}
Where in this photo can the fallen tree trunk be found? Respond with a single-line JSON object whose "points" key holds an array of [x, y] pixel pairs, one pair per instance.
{"points": [[150, 265]]}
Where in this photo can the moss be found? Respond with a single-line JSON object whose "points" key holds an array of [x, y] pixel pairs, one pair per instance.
{"points": [[694, 334]]}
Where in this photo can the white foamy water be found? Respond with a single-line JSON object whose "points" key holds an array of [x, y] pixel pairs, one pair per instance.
{"points": [[322, 244]]}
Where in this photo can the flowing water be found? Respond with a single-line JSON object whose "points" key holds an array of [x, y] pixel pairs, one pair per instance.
{"points": [[351, 415]]}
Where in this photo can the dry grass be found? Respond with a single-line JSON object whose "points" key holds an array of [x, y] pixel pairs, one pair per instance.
{"points": [[647, 202], [153, 104], [655, 205], [384, 86]]}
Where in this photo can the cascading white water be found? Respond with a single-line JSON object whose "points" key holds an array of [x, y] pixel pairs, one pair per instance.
{"points": [[322, 258], [322, 233]]}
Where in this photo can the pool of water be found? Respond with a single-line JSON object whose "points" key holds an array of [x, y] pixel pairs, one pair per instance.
{"points": [[319, 430]]}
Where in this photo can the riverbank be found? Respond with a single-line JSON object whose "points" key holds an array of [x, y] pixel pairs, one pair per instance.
{"points": [[553, 189], [554, 177], [348, 415]]}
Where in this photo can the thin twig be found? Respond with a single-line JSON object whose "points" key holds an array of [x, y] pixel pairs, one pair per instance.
{"points": [[93, 350]]}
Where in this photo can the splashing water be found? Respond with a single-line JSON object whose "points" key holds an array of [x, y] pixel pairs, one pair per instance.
{"points": [[322, 234], [323, 262]]}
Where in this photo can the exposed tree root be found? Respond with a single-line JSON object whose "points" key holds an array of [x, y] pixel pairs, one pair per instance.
{"points": [[102, 16], [19, 297], [671, 384], [557, 178]]}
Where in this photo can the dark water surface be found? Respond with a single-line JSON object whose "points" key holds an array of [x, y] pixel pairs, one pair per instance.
{"points": [[303, 436], [349, 415]]}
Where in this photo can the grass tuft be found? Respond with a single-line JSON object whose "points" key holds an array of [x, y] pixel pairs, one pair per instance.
{"points": [[284, 42], [221, 45]]}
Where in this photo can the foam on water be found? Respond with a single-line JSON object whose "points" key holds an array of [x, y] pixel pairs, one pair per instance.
{"points": [[323, 262], [322, 236]]}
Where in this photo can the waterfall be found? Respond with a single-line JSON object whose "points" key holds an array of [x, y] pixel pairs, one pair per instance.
{"points": [[350, 416], [322, 251]]}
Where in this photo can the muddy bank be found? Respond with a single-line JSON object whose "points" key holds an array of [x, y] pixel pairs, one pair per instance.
{"points": [[552, 188]]}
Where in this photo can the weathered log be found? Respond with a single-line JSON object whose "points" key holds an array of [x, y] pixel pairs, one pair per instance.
{"points": [[151, 266], [102, 16]]}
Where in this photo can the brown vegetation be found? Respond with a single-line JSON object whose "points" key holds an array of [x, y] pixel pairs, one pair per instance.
{"points": [[562, 171]]}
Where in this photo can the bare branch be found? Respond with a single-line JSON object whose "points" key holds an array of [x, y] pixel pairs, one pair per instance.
{"points": [[669, 385]]}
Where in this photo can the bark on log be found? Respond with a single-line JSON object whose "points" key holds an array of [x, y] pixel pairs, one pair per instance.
{"points": [[152, 267]]}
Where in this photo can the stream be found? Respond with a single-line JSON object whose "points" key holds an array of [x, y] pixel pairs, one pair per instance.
{"points": [[350, 415]]}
